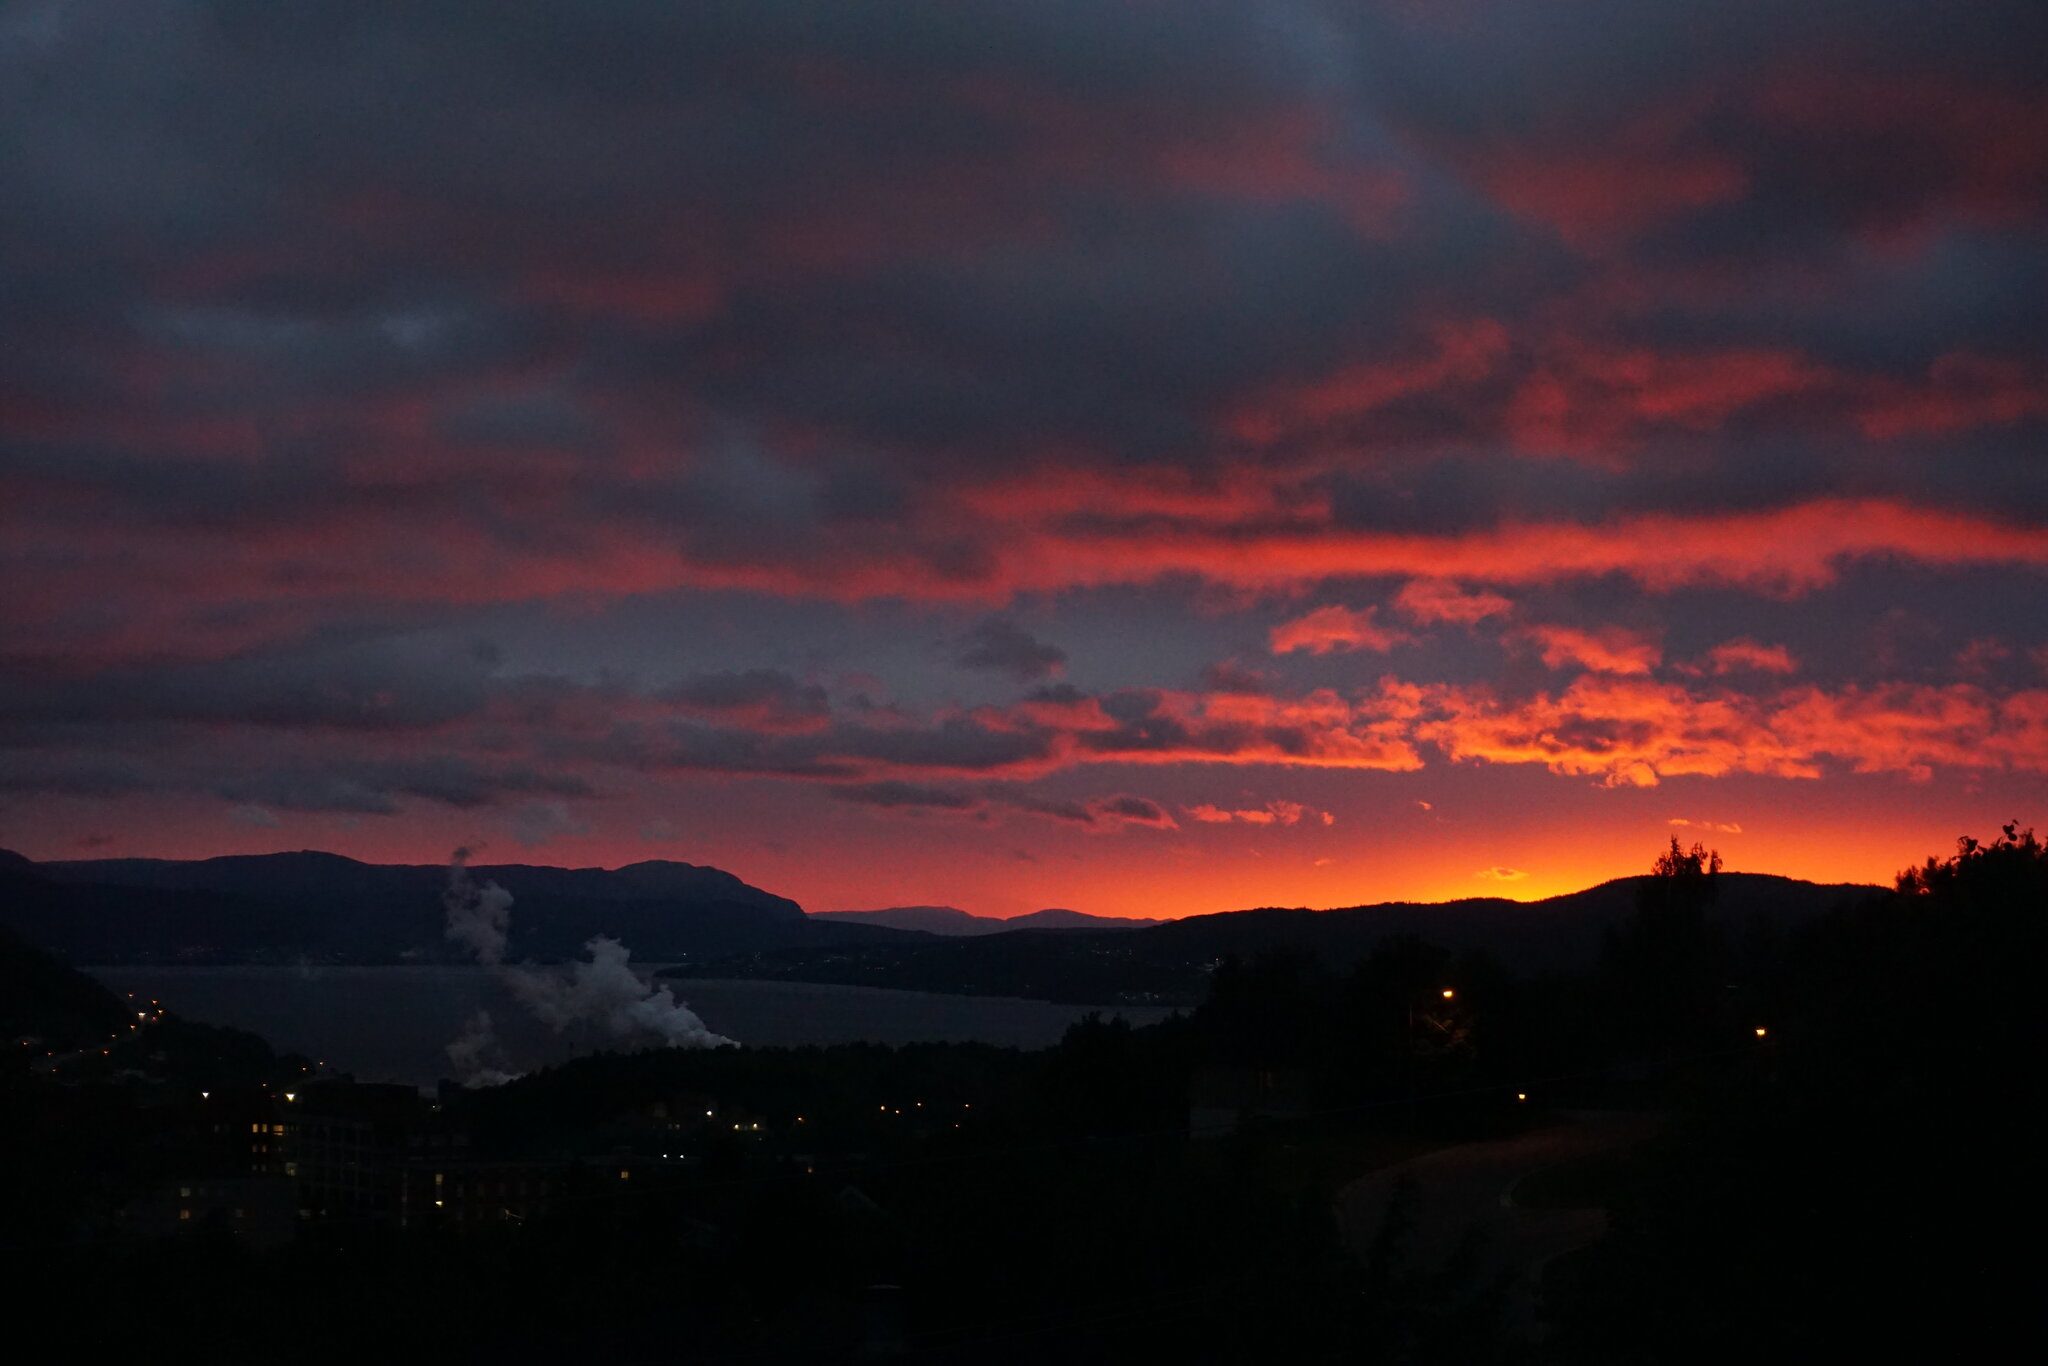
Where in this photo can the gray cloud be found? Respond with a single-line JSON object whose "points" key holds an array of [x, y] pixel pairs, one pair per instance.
{"points": [[1000, 644]]}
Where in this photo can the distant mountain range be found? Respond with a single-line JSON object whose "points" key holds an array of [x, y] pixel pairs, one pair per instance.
{"points": [[952, 921], [325, 908], [1170, 962]]}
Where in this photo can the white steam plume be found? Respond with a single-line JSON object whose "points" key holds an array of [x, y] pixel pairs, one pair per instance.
{"points": [[475, 1053], [477, 916], [603, 991]]}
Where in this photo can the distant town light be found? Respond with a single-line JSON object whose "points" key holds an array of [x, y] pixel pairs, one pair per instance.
{"points": [[1761, 1031], [1521, 1095], [1448, 993]]}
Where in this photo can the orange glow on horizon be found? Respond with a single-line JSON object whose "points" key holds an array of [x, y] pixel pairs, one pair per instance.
{"points": [[1518, 834]]}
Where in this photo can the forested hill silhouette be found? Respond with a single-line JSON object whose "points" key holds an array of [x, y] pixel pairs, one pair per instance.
{"points": [[324, 907], [1171, 961], [329, 908]]}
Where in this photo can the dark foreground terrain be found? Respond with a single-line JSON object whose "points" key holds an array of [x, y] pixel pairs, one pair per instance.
{"points": [[1718, 1141]]}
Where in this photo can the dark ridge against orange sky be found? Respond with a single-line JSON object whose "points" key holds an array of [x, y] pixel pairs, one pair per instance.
{"points": [[1147, 458]]}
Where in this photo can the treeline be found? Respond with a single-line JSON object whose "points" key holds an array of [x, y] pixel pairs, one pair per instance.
{"points": [[1867, 1183]]}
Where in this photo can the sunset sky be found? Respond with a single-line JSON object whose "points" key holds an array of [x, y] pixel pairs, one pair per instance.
{"points": [[1148, 458]]}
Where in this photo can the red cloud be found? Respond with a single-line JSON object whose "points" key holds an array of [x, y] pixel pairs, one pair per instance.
{"points": [[1961, 392], [1334, 628], [1272, 813], [1912, 730], [1748, 656], [1591, 195], [1596, 401], [1609, 650], [1623, 731], [1630, 732], [1944, 145], [1461, 353], [106, 593], [1431, 601], [1786, 550]]}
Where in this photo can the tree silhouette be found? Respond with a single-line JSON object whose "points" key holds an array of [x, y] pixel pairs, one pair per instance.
{"points": [[1664, 966], [2007, 876]]}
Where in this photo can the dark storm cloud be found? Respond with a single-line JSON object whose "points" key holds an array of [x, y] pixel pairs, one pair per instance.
{"points": [[1141, 810], [376, 787], [326, 780], [495, 191], [574, 236], [546, 420], [1000, 644], [1231, 676], [380, 684], [1095, 814], [905, 796], [844, 749], [767, 694]]}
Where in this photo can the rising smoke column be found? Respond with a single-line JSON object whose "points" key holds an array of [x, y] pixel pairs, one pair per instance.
{"points": [[602, 991], [605, 991], [477, 916], [476, 1055]]}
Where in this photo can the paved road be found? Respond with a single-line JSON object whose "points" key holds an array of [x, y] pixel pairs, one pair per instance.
{"points": [[1468, 1187]]}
